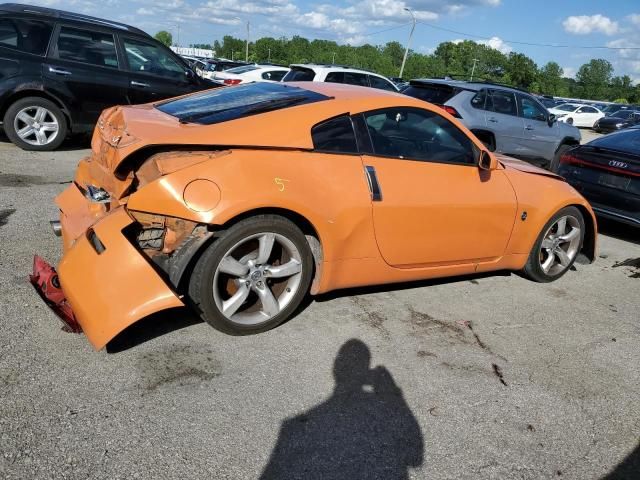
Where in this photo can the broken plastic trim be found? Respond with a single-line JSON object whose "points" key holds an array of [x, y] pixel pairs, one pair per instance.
{"points": [[95, 242]]}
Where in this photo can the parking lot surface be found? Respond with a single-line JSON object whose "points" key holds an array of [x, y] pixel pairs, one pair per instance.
{"points": [[478, 377]]}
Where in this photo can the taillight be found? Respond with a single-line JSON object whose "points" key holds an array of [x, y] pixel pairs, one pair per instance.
{"points": [[568, 158], [450, 110], [231, 81]]}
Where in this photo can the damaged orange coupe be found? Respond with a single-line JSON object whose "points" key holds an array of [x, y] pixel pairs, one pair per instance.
{"points": [[241, 201]]}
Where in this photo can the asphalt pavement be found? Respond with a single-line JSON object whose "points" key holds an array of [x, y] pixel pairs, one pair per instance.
{"points": [[486, 377]]}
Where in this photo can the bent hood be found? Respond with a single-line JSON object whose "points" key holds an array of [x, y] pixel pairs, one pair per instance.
{"points": [[511, 163]]}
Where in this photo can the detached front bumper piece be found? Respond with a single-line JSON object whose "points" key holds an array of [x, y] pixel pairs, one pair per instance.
{"points": [[46, 282], [108, 282]]}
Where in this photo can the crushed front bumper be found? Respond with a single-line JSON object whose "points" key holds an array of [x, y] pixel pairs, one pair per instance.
{"points": [[106, 280]]}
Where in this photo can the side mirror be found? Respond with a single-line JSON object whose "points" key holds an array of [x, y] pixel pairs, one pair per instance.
{"points": [[190, 75], [551, 120], [487, 161]]}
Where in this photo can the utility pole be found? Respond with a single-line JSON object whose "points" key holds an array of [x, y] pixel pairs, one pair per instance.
{"points": [[406, 52], [333, 61], [269, 61], [473, 69], [246, 49]]}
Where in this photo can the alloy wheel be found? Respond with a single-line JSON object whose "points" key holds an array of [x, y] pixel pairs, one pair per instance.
{"points": [[257, 278], [560, 245], [36, 125]]}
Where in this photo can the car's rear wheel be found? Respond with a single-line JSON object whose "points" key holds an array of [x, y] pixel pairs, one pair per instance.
{"points": [[253, 277], [35, 123], [570, 121], [557, 246]]}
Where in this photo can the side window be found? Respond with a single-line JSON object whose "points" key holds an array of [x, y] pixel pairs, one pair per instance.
{"points": [[335, 135], [479, 100], [419, 135], [381, 83], [589, 110], [502, 102], [86, 46], [356, 79], [274, 76], [148, 58], [530, 109], [335, 77], [29, 36]]}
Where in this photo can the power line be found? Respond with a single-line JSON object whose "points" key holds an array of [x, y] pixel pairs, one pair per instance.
{"points": [[531, 44]]}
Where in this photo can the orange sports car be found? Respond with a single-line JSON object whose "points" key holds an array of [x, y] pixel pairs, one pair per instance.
{"points": [[241, 201]]}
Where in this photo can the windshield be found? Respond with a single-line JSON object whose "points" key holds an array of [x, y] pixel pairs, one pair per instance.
{"points": [[566, 107], [224, 104], [297, 74], [622, 114], [431, 92], [242, 69]]}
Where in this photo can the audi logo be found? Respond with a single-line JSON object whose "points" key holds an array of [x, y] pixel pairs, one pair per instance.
{"points": [[617, 164]]}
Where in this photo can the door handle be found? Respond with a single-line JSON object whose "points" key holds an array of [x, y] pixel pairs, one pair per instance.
{"points": [[529, 127], [374, 186], [493, 119], [139, 84], [59, 71]]}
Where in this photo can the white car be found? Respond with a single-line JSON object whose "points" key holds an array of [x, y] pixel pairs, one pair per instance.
{"points": [[251, 73], [338, 74], [577, 114]]}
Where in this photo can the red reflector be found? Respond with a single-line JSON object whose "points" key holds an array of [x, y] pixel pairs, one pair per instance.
{"points": [[231, 81], [450, 110]]}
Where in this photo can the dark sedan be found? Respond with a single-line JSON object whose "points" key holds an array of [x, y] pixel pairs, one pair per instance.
{"points": [[607, 172], [617, 121]]}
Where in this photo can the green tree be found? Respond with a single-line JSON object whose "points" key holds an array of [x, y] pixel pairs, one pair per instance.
{"points": [[521, 71], [164, 37], [594, 78], [550, 80]]}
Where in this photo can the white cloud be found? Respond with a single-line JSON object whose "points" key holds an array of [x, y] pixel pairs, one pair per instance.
{"points": [[586, 24], [634, 18], [569, 72], [498, 44], [145, 11]]}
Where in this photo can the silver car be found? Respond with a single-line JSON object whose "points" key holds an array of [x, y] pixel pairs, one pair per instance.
{"points": [[506, 119]]}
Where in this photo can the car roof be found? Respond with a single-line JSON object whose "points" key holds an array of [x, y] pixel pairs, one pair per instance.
{"points": [[331, 66], [466, 85], [65, 15]]}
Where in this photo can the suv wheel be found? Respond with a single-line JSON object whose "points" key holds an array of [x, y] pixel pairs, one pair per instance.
{"points": [[35, 123], [555, 163]]}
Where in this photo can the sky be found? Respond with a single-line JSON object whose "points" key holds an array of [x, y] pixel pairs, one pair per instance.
{"points": [[503, 24]]}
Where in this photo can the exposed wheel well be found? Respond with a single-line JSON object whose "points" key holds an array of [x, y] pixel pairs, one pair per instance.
{"points": [[486, 137], [35, 93]]}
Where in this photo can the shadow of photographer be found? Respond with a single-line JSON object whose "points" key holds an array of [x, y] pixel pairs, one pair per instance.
{"points": [[365, 430]]}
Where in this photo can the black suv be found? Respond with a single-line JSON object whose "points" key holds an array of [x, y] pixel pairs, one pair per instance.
{"points": [[59, 70]]}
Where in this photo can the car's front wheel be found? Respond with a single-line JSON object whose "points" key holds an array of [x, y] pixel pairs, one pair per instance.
{"points": [[253, 277], [557, 246], [35, 123]]}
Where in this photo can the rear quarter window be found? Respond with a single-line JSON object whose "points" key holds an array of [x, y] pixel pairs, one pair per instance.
{"points": [[25, 35], [335, 135]]}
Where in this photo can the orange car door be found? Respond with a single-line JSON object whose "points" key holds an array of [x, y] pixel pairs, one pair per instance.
{"points": [[431, 204]]}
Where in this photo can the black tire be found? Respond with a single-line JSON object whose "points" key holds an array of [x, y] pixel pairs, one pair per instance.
{"points": [[555, 163], [201, 282], [570, 121], [34, 103], [533, 270]]}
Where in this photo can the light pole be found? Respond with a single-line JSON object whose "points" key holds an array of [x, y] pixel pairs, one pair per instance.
{"points": [[473, 69], [333, 61], [246, 48], [406, 52]]}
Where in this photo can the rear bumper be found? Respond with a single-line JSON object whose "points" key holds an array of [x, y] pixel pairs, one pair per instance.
{"points": [[110, 290]]}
